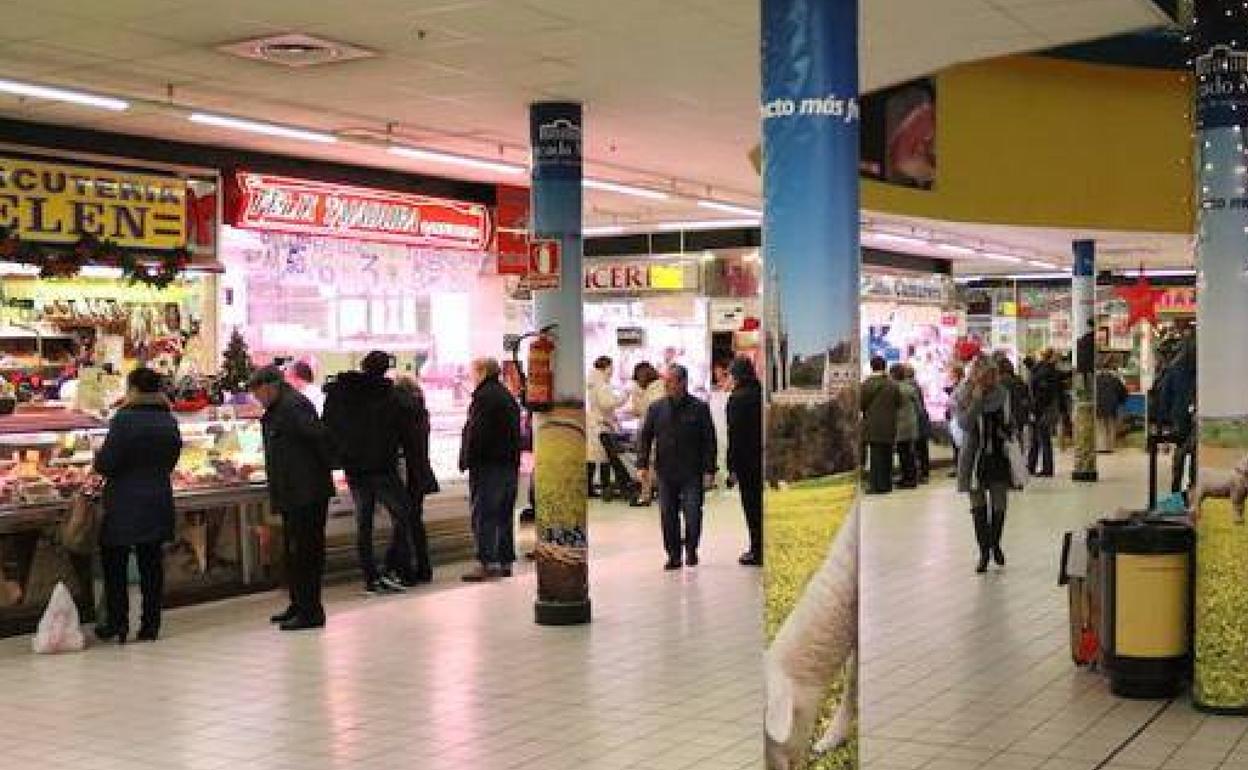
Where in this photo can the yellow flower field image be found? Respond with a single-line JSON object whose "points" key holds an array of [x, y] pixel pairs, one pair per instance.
{"points": [[1221, 680]]}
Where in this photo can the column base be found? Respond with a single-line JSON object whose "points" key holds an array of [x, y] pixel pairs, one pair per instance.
{"points": [[561, 613], [1084, 476]]}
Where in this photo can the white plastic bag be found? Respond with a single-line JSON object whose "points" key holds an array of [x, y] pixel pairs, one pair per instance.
{"points": [[59, 628]]}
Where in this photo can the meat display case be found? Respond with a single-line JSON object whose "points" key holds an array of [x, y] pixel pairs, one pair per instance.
{"points": [[226, 539]]}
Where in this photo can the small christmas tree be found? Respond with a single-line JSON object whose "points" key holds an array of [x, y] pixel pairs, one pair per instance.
{"points": [[236, 367]]}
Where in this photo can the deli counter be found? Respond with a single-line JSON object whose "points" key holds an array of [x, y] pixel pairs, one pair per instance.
{"points": [[227, 541]]}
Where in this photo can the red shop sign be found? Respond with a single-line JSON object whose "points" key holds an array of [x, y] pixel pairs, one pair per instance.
{"points": [[265, 202], [1177, 300]]}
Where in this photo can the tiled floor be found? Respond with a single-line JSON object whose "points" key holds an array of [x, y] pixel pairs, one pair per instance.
{"points": [[960, 671]]}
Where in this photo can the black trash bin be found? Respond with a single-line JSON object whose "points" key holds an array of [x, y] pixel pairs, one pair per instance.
{"points": [[1147, 568]]}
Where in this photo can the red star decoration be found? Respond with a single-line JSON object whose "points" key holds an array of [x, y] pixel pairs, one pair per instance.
{"points": [[1141, 299]]}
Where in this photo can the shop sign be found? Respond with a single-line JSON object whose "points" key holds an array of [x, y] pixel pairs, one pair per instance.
{"points": [[58, 203], [1177, 300], [511, 239], [641, 277], [282, 204], [922, 288], [630, 337], [545, 265]]}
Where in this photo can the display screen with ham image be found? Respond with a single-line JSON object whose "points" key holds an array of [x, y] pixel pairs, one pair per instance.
{"points": [[899, 135]]}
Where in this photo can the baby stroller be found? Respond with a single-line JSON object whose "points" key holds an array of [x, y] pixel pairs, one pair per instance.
{"points": [[624, 483]]}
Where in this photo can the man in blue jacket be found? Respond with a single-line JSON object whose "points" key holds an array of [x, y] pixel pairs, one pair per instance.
{"points": [[679, 428]]}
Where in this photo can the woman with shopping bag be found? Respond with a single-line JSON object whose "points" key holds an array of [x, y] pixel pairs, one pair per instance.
{"points": [[138, 456]]}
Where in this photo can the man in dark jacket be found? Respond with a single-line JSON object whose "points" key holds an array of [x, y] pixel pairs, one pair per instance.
{"points": [[745, 451], [680, 430], [881, 400], [370, 421], [139, 453], [297, 462], [1176, 411], [490, 452], [1111, 396], [1047, 392]]}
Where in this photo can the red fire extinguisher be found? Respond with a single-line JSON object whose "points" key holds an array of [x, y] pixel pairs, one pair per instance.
{"points": [[538, 378]]}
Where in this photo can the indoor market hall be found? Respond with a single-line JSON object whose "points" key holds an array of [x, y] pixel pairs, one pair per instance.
{"points": [[601, 385]]}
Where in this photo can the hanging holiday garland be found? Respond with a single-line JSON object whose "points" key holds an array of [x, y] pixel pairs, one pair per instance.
{"points": [[68, 261]]}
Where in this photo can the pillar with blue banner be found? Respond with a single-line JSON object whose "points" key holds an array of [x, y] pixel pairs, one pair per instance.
{"points": [[1220, 60], [810, 124], [562, 549], [1083, 329]]}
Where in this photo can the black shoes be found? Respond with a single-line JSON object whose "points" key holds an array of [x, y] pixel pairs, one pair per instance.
{"points": [[672, 565], [302, 624], [982, 567], [147, 634], [750, 559], [383, 586], [998, 555], [107, 631], [287, 614], [691, 558]]}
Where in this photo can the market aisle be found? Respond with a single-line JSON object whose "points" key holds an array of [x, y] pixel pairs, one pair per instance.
{"points": [[963, 671], [448, 678]]}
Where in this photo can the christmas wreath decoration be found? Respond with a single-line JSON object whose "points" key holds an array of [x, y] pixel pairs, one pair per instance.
{"points": [[67, 262]]}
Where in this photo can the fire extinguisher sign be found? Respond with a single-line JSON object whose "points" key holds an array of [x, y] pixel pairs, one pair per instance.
{"points": [[545, 265]]}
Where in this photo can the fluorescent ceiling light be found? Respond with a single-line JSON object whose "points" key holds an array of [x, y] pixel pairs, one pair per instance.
{"points": [[955, 249], [708, 224], [1044, 265], [902, 240], [730, 208], [259, 127], [604, 230], [435, 156], [1184, 273], [63, 95], [625, 189], [995, 257]]}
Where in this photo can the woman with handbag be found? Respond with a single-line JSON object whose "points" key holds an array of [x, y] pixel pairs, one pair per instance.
{"points": [[982, 410], [138, 456]]}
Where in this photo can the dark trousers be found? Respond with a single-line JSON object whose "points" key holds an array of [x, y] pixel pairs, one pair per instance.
{"points": [[905, 458], [1041, 450], [751, 489], [881, 467], [677, 498], [304, 541], [414, 563], [492, 491], [114, 560], [923, 458], [389, 490]]}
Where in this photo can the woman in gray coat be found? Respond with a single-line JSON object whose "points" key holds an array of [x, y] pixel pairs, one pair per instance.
{"points": [[982, 409], [907, 426]]}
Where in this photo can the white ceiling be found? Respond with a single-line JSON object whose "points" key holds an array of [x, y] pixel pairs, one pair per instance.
{"points": [[670, 86]]}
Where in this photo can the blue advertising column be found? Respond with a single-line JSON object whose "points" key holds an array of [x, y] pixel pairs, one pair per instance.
{"points": [[1220, 683], [1083, 329], [562, 549], [810, 118]]}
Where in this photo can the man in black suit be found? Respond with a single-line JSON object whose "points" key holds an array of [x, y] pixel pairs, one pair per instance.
{"points": [[679, 428]]}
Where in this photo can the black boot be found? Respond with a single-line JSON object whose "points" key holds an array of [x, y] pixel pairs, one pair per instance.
{"points": [[995, 530], [983, 535]]}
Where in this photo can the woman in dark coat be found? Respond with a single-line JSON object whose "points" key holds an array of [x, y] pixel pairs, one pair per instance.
{"points": [[745, 451], [982, 409], [138, 456], [418, 473]]}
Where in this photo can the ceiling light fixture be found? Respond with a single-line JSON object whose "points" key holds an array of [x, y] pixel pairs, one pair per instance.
{"points": [[259, 127], [1044, 265], [901, 240], [600, 230], [955, 249], [708, 224], [63, 95], [995, 257], [624, 189], [729, 208], [449, 158]]}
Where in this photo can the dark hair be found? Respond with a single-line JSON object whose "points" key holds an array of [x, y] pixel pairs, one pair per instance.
{"points": [[303, 371], [644, 373], [1005, 367], [602, 363], [897, 372], [878, 364], [679, 372], [145, 380], [377, 363], [742, 369]]}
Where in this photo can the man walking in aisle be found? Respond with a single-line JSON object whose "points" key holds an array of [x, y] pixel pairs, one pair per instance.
{"points": [[745, 451], [297, 461], [881, 402], [679, 428], [370, 420], [490, 453]]}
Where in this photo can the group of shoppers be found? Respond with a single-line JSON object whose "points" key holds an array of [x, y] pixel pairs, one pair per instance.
{"points": [[895, 422]]}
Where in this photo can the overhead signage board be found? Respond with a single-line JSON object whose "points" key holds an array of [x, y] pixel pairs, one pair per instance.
{"points": [[283, 204], [59, 203], [639, 276]]}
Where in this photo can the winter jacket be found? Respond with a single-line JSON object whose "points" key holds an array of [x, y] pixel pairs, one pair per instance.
{"points": [[881, 399], [297, 456], [370, 420], [491, 435], [417, 470], [1111, 394], [601, 404], [978, 464], [683, 437], [907, 414], [139, 454], [1021, 404], [745, 429], [920, 409], [1047, 392]]}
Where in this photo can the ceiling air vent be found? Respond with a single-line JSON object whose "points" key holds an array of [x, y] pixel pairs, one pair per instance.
{"points": [[296, 50]]}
